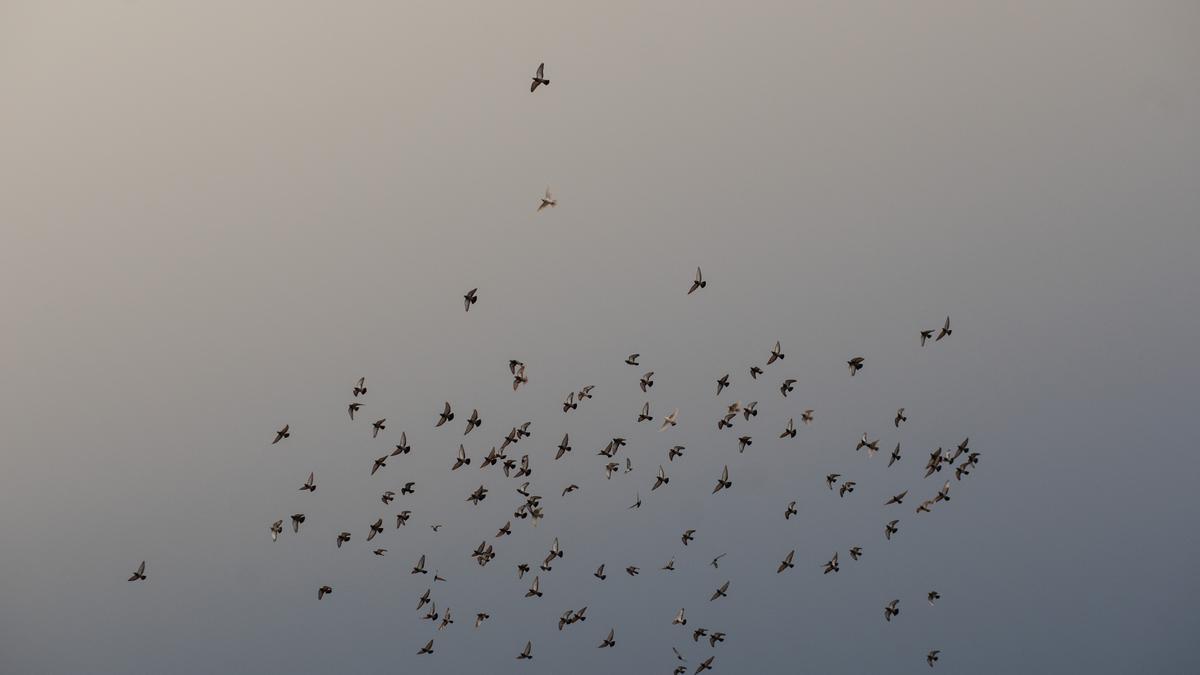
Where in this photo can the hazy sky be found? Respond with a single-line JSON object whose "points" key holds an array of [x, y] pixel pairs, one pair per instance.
{"points": [[215, 216]]}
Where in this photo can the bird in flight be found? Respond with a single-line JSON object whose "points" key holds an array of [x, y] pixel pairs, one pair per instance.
{"points": [[925, 335], [548, 200], [427, 649], [900, 417], [945, 331], [698, 282], [723, 483], [539, 78], [932, 656], [324, 591], [776, 354], [528, 651], [470, 298], [891, 609], [855, 364], [608, 641], [360, 387], [447, 415], [310, 484], [786, 563], [353, 408], [282, 434], [140, 574]]}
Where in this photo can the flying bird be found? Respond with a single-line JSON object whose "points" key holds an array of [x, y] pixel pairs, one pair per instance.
{"points": [[891, 609], [786, 563], [470, 298], [528, 651], [608, 641], [855, 364], [324, 591], [360, 387], [447, 415], [945, 331], [282, 434], [378, 426], [547, 200], [473, 422], [632, 359], [925, 335], [140, 574], [776, 354], [309, 484], [723, 483], [900, 417], [539, 78], [890, 529], [722, 382], [698, 282], [721, 592]]}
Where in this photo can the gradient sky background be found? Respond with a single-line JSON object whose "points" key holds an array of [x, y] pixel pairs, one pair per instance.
{"points": [[214, 218]]}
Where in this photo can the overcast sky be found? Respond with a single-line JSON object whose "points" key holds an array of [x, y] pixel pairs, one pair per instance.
{"points": [[215, 217]]}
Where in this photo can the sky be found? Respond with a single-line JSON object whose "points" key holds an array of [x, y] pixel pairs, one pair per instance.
{"points": [[215, 217]]}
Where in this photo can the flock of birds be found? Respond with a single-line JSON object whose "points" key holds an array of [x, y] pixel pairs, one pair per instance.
{"points": [[532, 507]]}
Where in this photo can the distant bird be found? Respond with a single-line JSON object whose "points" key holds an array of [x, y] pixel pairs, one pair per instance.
{"points": [[670, 420], [677, 654], [932, 656], [471, 297], [831, 479], [378, 426], [715, 561], [807, 416], [890, 529], [473, 422], [435, 527], [688, 535], [481, 617], [790, 430], [570, 404], [461, 459], [586, 392], [402, 448], [276, 530], [699, 633], [519, 377], [647, 380], [698, 282], [790, 511], [427, 649], [419, 568], [140, 574], [871, 446], [891, 609], [387, 497], [360, 387], [945, 332], [786, 388], [896, 499], [380, 552], [608, 641], [832, 565], [527, 653], [723, 483], [661, 479], [943, 495], [925, 335], [548, 200], [847, 486], [855, 552], [638, 503], [342, 538], [353, 408], [447, 415], [855, 364], [786, 564], [633, 359], [570, 488], [379, 464], [599, 573], [534, 590], [670, 566], [309, 484], [632, 570], [675, 451], [721, 592], [722, 382], [408, 488], [297, 519], [895, 455], [521, 570], [900, 417], [680, 619], [539, 78], [324, 591], [715, 637], [776, 354], [282, 434], [706, 664], [933, 596], [755, 371], [376, 528], [744, 442], [564, 447], [644, 415]]}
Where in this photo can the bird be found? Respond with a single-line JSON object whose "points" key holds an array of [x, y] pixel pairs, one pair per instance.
{"points": [[378, 426], [945, 331], [534, 590], [380, 552], [276, 530], [527, 653], [324, 591], [680, 619], [638, 503], [282, 434], [715, 637], [855, 552], [790, 511], [570, 488], [755, 371], [646, 381], [408, 488], [632, 359], [933, 596], [353, 408], [896, 499], [599, 573], [750, 410], [608, 641], [706, 664], [661, 479], [895, 455], [723, 483], [722, 382], [670, 566], [832, 565], [521, 570], [342, 538], [586, 392], [699, 633], [376, 528], [570, 404], [786, 563], [402, 448], [387, 497], [446, 620], [677, 654], [925, 335], [688, 535], [932, 656], [871, 446], [419, 568], [140, 574], [890, 529], [900, 417], [847, 486], [807, 416], [547, 200], [473, 422], [447, 415], [461, 459], [943, 495], [519, 377], [744, 442], [481, 617], [297, 519], [790, 430], [478, 495], [831, 479], [309, 484], [644, 415], [360, 387], [698, 282], [471, 297], [855, 364], [715, 560], [379, 464], [786, 388], [539, 78], [891, 609], [670, 420], [776, 354]]}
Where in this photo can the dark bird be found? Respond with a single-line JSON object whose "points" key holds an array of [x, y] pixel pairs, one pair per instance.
{"points": [[925, 335], [744, 442], [790, 511], [608, 641], [528, 652], [473, 422], [786, 388], [660, 479], [895, 455], [776, 354], [419, 568], [945, 332], [890, 529], [646, 381], [755, 371], [716, 560], [831, 479], [408, 488], [723, 483], [379, 464], [832, 565], [276, 530], [855, 552], [324, 591], [570, 404], [534, 590], [140, 574], [896, 499], [297, 519], [377, 427], [933, 596], [806, 416], [787, 564], [548, 200], [376, 528], [688, 535], [447, 415], [461, 459], [900, 417], [632, 570], [387, 497], [282, 434], [722, 382], [680, 619], [470, 298], [633, 360], [932, 656], [847, 486], [698, 282], [309, 484], [855, 365], [427, 649], [891, 609], [360, 387], [790, 430], [539, 78], [353, 408], [342, 538], [706, 664], [599, 573], [721, 592], [402, 448]]}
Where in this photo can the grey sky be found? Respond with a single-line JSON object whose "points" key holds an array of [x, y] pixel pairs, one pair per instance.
{"points": [[214, 218]]}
